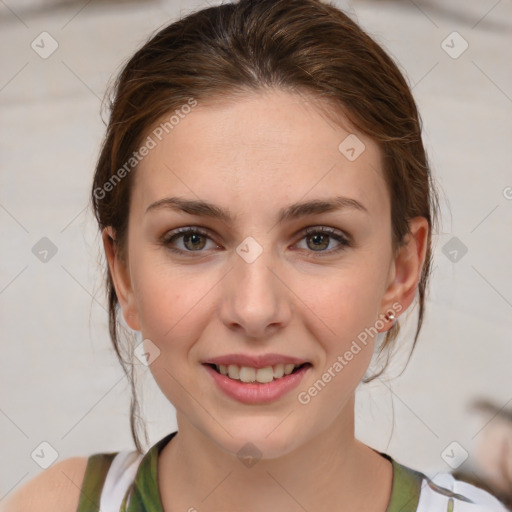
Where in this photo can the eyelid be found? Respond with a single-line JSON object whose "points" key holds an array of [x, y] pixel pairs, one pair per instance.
{"points": [[325, 229]]}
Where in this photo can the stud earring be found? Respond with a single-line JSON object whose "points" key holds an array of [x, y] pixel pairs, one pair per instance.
{"points": [[390, 316]]}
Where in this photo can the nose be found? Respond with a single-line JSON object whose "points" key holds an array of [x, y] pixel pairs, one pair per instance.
{"points": [[255, 300]]}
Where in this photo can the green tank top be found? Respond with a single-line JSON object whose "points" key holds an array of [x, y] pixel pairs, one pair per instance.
{"points": [[142, 494]]}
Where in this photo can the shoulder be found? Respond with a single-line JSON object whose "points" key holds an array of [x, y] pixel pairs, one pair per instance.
{"points": [[56, 488], [444, 492]]}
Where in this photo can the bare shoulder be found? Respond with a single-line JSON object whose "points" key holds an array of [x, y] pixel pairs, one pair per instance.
{"points": [[56, 488]]}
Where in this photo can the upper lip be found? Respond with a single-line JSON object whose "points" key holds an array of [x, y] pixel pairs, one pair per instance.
{"points": [[260, 361]]}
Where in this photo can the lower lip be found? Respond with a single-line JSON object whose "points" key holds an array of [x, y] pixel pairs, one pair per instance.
{"points": [[254, 392]]}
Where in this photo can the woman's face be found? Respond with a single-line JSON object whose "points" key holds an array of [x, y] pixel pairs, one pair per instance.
{"points": [[253, 283]]}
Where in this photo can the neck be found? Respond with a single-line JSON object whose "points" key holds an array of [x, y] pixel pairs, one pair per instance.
{"points": [[331, 470]]}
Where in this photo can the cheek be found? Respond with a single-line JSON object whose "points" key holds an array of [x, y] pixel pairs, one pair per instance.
{"points": [[170, 305], [345, 311], [170, 301], [346, 301], [164, 299]]}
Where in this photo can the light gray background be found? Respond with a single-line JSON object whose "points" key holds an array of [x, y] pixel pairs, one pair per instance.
{"points": [[60, 380]]}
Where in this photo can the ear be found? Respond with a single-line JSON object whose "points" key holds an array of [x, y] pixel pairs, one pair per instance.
{"points": [[121, 277], [405, 270]]}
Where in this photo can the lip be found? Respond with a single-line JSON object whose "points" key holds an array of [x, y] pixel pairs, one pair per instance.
{"points": [[254, 392], [260, 361]]}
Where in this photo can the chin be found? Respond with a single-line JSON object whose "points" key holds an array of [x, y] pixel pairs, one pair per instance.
{"points": [[260, 437]]}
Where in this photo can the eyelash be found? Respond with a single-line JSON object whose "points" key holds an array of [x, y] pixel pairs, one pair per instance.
{"points": [[312, 230]]}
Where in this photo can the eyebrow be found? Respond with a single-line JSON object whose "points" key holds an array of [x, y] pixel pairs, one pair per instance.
{"points": [[290, 212]]}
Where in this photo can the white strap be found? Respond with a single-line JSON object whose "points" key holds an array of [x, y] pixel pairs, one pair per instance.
{"points": [[434, 501], [120, 475]]}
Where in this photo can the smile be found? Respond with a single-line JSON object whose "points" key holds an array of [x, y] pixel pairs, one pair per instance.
{"points": [[261, 375], [251, 385]]}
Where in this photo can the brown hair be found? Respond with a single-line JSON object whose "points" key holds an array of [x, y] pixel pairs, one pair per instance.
{"points": [[305, 46]]}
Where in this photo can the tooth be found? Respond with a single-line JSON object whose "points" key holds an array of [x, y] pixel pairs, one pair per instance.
{"points": [[247, 374], [288, 368], [233, 371], [264, 375], [278, 370]]}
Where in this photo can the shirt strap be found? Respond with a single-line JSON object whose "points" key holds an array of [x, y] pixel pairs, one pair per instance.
{"points": [[92, 484], [107, 479], [119, 478], [406, 490]]}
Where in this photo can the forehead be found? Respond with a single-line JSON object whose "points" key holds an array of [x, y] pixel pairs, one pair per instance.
{"points": [[253, 153]]}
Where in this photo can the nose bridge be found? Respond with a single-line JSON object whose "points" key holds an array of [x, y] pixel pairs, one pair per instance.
{"points": [[256, 298]]}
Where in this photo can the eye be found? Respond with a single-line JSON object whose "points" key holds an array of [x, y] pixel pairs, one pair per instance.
{"points": [[193, 239], [321, 236]]}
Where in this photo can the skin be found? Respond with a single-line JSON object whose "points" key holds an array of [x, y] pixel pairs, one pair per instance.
{"points": [[253, 156]]}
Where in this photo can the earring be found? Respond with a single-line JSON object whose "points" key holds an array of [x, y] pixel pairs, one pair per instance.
{"points": [[390, 316]]}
